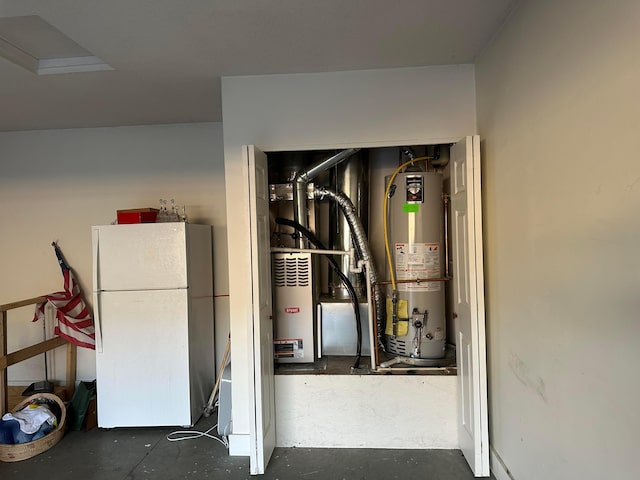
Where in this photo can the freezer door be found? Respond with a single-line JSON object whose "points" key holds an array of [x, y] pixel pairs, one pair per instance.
{"points": [[143, 368], [140, 256]]}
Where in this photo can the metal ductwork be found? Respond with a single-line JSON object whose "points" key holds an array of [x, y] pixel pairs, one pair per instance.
{"points": [[300, 186], [360, 239], [351, 178]]}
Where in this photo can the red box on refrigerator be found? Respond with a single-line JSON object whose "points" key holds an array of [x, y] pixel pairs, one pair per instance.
{"points": [[137, 215]]}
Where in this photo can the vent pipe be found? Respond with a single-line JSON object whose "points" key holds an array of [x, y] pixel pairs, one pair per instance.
{"points": [[300, 187]]}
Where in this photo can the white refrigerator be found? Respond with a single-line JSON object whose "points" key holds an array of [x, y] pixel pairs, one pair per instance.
{"points": [[153, 309]]}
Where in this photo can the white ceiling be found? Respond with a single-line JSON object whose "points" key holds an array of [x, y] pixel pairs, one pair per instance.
{"points": [[168, 55]]}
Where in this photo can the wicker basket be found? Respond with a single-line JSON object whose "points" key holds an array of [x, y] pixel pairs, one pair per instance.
{"points": [[22, 451]]}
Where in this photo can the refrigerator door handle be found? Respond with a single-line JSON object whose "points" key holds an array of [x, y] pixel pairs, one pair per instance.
{"points": [[96, 320], [95, 240], [96, 288]]}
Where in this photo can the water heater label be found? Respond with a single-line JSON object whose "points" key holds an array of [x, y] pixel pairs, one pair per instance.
{"points": [[418, 261]]}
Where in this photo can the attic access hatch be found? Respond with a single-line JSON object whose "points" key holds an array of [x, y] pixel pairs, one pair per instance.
{"points": [[467, 304], [32, 43]]}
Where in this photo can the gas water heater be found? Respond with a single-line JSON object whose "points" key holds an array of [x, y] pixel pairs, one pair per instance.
{"points": [[416, 243]]}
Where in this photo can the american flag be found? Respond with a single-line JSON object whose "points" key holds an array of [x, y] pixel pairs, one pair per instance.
{"points": [[73, 319]]}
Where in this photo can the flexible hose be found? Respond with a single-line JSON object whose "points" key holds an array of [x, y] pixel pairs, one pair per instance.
{"points": [[348, 285], [359, 236]]}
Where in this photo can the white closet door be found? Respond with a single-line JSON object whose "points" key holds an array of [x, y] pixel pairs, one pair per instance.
{"points": [[263, 424], [468, 292]]}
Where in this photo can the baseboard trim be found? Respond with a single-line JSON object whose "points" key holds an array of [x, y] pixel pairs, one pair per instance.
{"points": [[498, 467]]}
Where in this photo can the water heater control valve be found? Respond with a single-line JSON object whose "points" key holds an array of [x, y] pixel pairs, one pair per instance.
{"points": [[419, 319]]}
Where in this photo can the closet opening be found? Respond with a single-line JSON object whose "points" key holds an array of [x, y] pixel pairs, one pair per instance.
{"points": [[361, 261]]}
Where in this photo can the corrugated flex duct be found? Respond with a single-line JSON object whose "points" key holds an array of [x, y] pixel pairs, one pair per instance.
{"points": [[360, 239]]}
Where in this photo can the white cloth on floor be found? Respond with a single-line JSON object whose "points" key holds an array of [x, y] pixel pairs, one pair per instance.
{"points": [[32, 417]]}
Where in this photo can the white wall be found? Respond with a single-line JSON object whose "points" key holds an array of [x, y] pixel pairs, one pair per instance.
{"points": [[324, 110], [559, 113], [56, 184], [366, 411]]}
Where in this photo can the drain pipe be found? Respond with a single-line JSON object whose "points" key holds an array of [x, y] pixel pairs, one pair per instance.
{"points": [[360, 239], [300, 187]]}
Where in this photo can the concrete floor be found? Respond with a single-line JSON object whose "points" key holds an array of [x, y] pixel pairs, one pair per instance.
{"points": [[145, 453]]}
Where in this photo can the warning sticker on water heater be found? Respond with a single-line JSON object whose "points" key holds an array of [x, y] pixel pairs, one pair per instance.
{"points": [[418, 261]]}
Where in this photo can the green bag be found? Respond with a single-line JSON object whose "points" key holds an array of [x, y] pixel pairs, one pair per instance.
{"points": [[77, 410]]}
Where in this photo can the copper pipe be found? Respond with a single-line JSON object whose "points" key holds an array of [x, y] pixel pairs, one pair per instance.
{"points": [[445, 199]]}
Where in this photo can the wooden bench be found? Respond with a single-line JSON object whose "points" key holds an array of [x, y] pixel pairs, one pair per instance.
{"points": [[7, 359]]}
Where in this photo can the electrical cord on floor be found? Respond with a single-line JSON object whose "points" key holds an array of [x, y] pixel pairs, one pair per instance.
{"points": [[180, 435]]}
